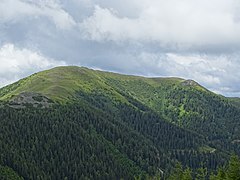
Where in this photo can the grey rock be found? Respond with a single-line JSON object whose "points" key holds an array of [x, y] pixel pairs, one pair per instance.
{"points": [[30, 99], [189, 83]]}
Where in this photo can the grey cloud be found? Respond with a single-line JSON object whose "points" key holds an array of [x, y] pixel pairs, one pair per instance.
{"points": [[175, 24], [197, 40]]}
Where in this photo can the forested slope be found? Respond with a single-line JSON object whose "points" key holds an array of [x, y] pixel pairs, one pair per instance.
{"points": [[72, 122]]}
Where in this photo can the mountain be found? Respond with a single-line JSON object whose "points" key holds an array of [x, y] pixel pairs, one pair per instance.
{"points": [[76, 123]]}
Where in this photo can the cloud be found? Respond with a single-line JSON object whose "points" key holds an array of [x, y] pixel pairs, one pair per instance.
{"points": [[17, 10], [218, 73], [172, 24], [16, 63], [190, 39]]}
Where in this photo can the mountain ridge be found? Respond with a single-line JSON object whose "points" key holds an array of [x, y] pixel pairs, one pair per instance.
{"points": [[139, 124], [50, 78]]}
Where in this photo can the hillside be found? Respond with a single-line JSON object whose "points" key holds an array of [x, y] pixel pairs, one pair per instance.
{"points": [[62, 83], [75, 122], [235, 101]]}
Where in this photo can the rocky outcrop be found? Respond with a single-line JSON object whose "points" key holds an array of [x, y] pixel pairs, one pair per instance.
{"points": [[30, 99], [189, 83]]}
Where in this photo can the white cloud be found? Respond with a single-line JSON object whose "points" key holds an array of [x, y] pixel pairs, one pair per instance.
{"points": [[16, 63], [173, 36], [218, 73], [170, 23], [17, 10], [193, 39]]}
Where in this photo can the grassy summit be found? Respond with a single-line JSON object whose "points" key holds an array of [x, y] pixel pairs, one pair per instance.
{"points": [[59, 83], [62, 83]]}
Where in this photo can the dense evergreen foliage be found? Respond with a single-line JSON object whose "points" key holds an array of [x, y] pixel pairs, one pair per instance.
{"points": [[82, 124], [229, 172], [79, 140]]}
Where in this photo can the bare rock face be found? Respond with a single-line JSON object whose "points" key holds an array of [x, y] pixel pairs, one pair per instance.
{"points": [[189, 83], [30, 99]]}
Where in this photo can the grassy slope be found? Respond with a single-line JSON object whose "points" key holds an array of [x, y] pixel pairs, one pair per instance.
{"points": [[235, 101], [59, 84], [62, 83]]}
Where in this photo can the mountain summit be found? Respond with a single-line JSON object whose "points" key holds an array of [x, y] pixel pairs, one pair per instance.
{"points": [[64, 83]]}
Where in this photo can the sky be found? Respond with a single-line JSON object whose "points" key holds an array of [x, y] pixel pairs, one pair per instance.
{"points": [[192, 39]]}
